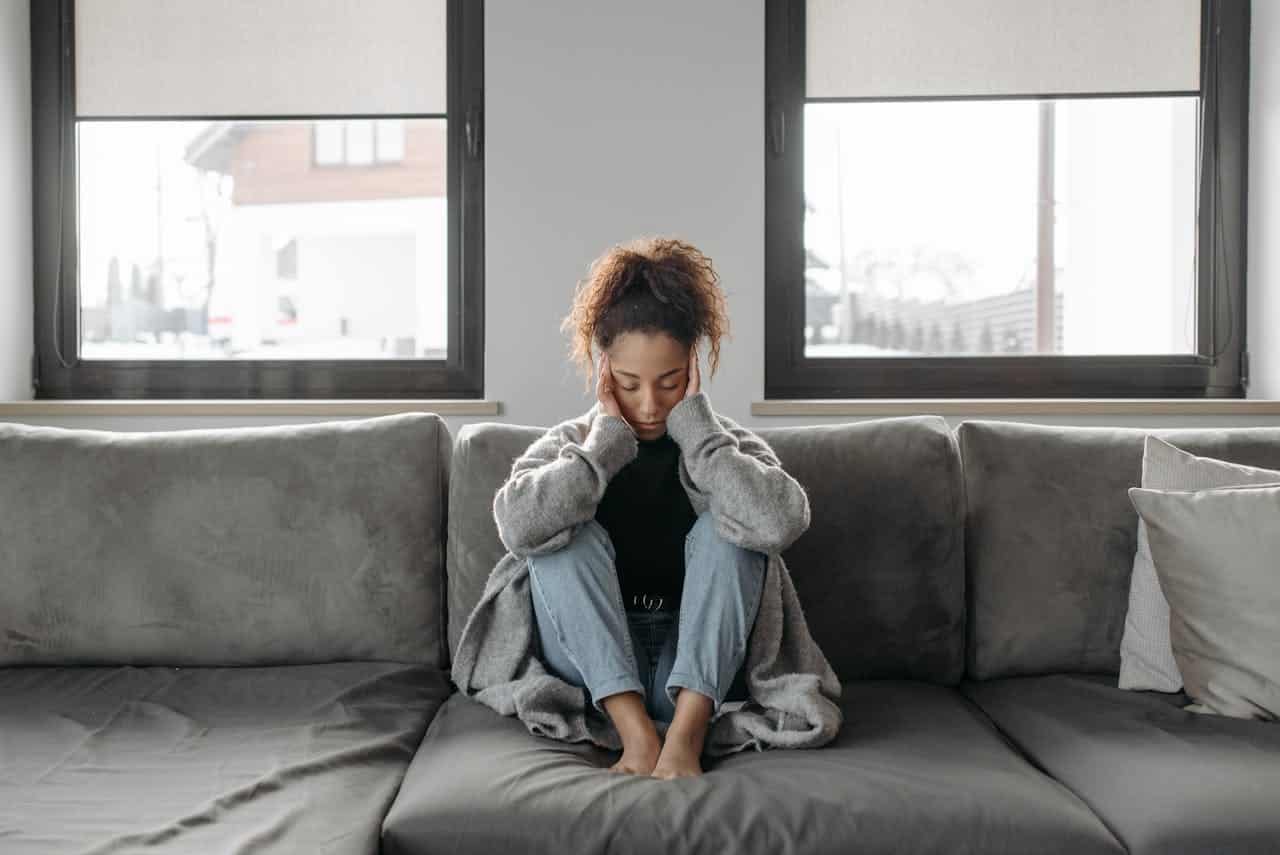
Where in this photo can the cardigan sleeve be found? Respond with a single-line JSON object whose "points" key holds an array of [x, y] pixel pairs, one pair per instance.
{"points": [[756, 503], [557, 483]]}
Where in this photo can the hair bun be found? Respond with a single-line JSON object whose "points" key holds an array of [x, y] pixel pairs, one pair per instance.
{"points": [[651, 284]]}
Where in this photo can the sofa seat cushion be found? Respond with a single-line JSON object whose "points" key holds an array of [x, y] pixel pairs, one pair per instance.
{"points": [[281, 759], [1163, 779], [916, 768]]}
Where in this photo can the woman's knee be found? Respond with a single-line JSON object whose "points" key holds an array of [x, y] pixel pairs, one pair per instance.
{"points": [[585, 567], [590, 540], [593, 533], [703, 534], [704, 524]]}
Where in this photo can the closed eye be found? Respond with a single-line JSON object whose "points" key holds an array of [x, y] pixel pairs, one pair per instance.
{"points": [[633, 388]]}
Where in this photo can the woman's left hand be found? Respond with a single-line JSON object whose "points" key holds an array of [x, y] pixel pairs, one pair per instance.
{"points": [[695, 384]]}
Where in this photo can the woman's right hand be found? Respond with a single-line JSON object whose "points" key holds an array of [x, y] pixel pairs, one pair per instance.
{"points": [[604, 389]]}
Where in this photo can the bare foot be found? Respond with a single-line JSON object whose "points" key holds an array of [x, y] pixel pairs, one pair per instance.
{"points": [[679, 758], [640, 742], [639, 755], [685, 736]]}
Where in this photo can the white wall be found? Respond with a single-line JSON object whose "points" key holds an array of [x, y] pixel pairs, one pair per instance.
{"points": [[1264, 201], [591, 142], [616, 119], [15, 202]]}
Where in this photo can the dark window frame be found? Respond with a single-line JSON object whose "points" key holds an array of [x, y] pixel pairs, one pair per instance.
{"points": [[60, 373], [1221, 236]]}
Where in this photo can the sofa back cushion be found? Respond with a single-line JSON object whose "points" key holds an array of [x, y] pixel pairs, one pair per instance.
{"points": [[1051, 536], [879, 572], [230, 546]]}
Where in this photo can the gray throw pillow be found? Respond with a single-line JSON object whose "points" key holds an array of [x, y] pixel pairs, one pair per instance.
{"points": [[1217, 555], [1146, 655]]}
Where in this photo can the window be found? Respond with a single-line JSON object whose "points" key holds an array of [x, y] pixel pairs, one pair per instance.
{"points": [[389, 140], [354, 142], [287, 260], [359, 143], [329, 143], [1005, 199], [267, 224]]}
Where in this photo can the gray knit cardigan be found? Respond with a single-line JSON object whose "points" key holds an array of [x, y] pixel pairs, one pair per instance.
{"points": [[554, 489]]}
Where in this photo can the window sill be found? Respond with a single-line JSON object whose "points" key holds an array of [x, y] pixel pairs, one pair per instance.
{"points": [[835, 407], [1018, 406], [248, 407]]}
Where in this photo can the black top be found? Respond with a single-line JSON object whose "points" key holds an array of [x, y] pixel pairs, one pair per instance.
{"points": [[648, 515]]}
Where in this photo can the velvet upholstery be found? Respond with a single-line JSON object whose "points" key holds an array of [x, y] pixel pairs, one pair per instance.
{"points": [[310, 547], [1051, 534], [232, 546], [271, 761], [916, 769], [1167, 781], [879, 572], [1217, 554]]}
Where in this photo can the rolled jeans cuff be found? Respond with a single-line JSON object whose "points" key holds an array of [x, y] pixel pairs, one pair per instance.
{"points": [[685, 680], [621, 683]]}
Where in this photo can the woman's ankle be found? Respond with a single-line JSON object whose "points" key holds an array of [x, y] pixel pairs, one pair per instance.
{"points": [[629, 716]]}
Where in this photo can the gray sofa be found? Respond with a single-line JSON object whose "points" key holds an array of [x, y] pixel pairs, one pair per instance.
{"points": [[220, 640], [237, 641]]}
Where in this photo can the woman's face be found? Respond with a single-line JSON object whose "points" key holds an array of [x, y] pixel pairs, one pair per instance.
{"points": [[650, 375]]}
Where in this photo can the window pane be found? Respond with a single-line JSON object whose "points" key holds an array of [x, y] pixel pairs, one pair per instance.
{"points": [[389, 140], [210, 240], [359, 142], [287, 261], [328, 141], [921, 232]]}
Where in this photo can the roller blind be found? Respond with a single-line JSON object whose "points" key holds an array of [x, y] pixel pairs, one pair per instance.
{"points": [[259, 57], [930, 48]]}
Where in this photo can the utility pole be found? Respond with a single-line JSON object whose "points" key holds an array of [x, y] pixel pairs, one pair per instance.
{"points": [[846, 297], [159, 233], [1045, 286]]}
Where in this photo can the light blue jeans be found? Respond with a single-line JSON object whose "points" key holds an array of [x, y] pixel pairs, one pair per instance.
{"points": [[589, 638]]}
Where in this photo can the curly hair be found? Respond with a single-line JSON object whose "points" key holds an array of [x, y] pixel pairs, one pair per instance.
{"points": [[647, 285]]}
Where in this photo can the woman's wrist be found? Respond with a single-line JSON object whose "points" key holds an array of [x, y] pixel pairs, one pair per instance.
{"points": [[612, 441]]}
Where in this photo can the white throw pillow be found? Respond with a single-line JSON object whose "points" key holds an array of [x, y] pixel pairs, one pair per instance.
{"points": [[1146, 652], [1215, 553]]}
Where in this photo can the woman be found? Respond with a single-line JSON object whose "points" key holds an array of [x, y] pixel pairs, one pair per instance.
{"points": [[647, 530], [645, 307]]}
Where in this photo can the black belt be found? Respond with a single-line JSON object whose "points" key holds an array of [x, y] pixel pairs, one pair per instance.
{"points": [[652, 602]]}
